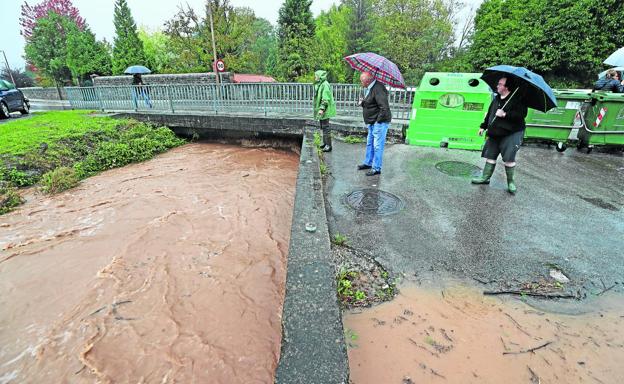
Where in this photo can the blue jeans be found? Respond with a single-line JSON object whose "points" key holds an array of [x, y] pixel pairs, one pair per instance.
{"points": [[375, 142], [140, 93]]}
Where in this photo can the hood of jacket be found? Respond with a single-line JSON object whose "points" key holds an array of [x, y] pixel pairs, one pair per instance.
{"points": [[320, 75]]}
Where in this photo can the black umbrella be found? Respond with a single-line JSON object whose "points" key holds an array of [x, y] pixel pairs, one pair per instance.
{"points": [[532, 89]]}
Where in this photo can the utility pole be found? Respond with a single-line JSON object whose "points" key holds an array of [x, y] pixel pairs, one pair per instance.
{"points": [[9, 68], [214, 47]]}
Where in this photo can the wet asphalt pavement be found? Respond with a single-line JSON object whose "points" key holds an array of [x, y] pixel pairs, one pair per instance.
{"points": [[568, 213]]}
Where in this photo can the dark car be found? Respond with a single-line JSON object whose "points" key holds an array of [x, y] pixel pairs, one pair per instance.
{"points": [[12, 100]]}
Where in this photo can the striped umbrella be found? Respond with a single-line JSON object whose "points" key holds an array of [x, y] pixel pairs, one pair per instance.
{"points": [[383, 69]]}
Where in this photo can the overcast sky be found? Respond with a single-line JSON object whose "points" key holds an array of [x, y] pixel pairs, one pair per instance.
{"points": [[148, 13]]}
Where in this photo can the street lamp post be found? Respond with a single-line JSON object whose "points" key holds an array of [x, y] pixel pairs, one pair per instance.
{"points": [[8, 68], [214, 48]]}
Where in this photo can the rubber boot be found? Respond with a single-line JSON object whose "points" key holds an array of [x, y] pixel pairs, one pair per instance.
{"points": [[327, 142], [511, 184], [488, 170]]}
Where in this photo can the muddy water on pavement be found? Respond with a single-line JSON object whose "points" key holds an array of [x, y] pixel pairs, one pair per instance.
{"points": [[456, 335], [166, 271]]}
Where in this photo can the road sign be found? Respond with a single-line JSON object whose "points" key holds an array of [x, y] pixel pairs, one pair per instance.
{"points": [[220, 66]]}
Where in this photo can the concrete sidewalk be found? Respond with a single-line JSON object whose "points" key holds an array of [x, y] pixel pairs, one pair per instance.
{"points": [[568, 213]]}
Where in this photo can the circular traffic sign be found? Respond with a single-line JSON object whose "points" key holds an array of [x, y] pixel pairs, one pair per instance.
{"points": [[220, 65]]}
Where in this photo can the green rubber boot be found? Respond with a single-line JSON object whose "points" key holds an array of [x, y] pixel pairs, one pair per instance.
{"points": [[511, 184], [488, 170]]}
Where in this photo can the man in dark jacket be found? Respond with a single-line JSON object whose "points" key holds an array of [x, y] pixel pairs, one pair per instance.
{"points": [[611, 82], [377, 117], [505, 127]]}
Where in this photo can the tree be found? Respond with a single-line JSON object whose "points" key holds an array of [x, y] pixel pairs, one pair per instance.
{"points": [[361, 29], [244, 42], [86, 56], [128, 48], [563, 40], [295, 39], [331, 45], [30, 15], [414, 34], [21, 77], [159, 56], [47, 46]]}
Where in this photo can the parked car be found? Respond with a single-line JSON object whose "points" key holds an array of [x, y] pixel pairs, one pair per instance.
{"points": [[12, 100]]}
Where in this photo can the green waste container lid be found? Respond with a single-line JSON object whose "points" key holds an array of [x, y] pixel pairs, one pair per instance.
{"points": [[608, 96], [572, 93]]}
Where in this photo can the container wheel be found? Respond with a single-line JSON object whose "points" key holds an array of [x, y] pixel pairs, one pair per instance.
{"points": [[561, 147], [589, 149]]}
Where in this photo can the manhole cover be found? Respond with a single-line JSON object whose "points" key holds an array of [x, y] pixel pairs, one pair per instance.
{"points": [[374, 202], [458, 168]]}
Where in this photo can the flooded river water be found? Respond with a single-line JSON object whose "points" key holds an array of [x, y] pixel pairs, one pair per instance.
{"points": [[171, 270], [456, 335]]}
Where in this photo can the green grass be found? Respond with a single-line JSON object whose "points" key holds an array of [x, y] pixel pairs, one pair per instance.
{"points": [[353, 139], [60, 148], [339, 239], [25, 135]]}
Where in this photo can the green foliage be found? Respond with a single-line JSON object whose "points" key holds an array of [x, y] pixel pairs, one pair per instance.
{"points": [[295, 39], [564, 40], [86, 56], [353, 139], [47, 47], [330, 46], [128, 48], [360, 31], [158, 54], [78, 140], [22, 78], [139, 143], [9, 199], [59, 180], [344, 287], [414, 34], [339, 239], [246, 43]]}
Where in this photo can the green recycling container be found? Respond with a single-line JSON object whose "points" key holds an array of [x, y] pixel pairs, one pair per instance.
{"points": [[556, 125], [604, 121], [447, 111]]}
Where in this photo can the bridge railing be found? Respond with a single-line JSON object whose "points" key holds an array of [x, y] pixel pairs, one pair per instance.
{"points": [[255, 98]]}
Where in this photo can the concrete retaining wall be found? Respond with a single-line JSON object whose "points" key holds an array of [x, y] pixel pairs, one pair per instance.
{"points": [[181, 78], [41, 93]]}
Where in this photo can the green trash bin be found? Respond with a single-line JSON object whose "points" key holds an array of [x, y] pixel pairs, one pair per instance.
{"points": [[447, 111], [556, 125], [603, 123]]}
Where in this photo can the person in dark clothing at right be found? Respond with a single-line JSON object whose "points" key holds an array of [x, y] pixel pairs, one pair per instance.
{"points": [[611, 82], [505, 127]]}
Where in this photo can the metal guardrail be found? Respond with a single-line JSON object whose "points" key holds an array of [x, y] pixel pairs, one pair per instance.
{"points": [[254, 98]]}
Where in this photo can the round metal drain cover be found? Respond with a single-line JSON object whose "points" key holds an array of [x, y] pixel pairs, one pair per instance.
{"points": [[458, 168], [374, 202]]}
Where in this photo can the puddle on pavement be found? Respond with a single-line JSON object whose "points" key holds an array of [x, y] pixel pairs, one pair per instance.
{"points": [[171, 270], [457, 335]]}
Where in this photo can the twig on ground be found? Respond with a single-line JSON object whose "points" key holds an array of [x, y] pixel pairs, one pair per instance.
{"points": [[534, 378], [517, 324], [528, 293], [606, 289], [530, 350]]}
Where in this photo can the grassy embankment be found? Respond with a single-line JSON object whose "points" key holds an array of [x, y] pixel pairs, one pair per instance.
{"points": [[57, 149]]}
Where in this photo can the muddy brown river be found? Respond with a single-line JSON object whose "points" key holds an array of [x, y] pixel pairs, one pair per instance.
{"points": [[171, 270], [454, 334]]}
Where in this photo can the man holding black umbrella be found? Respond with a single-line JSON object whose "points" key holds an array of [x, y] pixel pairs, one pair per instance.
{"points": [[505, 125]]}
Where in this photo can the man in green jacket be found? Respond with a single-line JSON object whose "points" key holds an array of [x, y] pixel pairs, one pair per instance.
{"points": [[324, 106]]}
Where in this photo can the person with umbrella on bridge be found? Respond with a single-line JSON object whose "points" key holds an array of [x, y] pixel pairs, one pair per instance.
{"points": [[375, 106], [139, 89], [516, 89]]}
